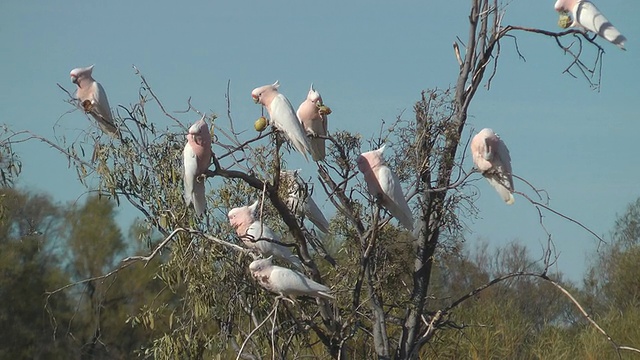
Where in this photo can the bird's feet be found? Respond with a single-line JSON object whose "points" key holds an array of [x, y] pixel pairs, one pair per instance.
{"points": [[282, 297], [87, 105]]}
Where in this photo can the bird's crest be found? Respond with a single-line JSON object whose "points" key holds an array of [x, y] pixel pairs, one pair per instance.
{"points": [[77, 72], [198, 126], [276, 85], [253, 207], [314, 95]]}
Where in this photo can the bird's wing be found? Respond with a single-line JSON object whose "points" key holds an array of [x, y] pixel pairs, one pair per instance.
{"points": [[259, 230], [504, 164], [286, 120], [194, 191], [587, 15], [290, 282], [102, 111], [498, 182], [316, 216], [394, 198], [500, 176]]}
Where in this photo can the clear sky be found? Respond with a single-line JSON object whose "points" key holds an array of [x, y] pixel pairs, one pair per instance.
{"points": [[370, 60]]}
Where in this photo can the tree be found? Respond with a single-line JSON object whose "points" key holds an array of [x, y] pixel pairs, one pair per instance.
{"points": [[104, 307], [384, 274], [612, 279], [28, 268]]}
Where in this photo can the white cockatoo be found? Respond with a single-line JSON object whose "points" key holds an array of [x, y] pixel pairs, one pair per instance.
{"points": [[586, 15], [282, 116], [93, 99], [197, 158], [251, 230], [313, 115], [286, 282], [491, 157], [300, 202], [385, 186]]}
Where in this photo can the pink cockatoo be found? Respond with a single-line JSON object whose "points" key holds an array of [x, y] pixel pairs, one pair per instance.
{"points": [[197, 158], [586, 15], [282, 116], [93, 99], [491, 157], [251, 230], [300, 202], [314, 121], [385, 186], [286, 282]]}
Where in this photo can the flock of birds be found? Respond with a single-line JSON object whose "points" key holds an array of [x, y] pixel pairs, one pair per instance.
{"points": [[306, 130]]}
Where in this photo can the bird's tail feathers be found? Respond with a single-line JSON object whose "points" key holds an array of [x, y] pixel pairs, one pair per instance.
{"points": [[503, 187], [316, 216], [590, 17], [402, 213], [301, 145], [317, 149], [199, 199]]}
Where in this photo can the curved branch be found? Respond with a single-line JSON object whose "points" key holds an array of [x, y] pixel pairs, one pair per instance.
{"points": [[538, 204], [556, 285]]}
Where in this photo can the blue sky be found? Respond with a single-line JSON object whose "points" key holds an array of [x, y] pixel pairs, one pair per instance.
{"points": [[370, 60]]}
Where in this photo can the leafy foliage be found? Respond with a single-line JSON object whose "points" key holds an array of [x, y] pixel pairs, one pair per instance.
{"points": [[396, 291]]}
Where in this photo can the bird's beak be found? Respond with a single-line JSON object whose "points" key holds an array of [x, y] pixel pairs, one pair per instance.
{"points": [[256, 99], [74, 79]]}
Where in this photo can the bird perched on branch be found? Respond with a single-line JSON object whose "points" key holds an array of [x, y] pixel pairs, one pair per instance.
{"points": [[491, 157], [286, 282], [385, 186], [93, 99], [282, 116], [587, 16], [300, 202], [197, 158], [312, 113], [257, 236]]}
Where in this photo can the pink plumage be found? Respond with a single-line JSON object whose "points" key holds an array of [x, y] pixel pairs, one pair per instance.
{"points": [[257, 236], [491, 157], [197, 158], [586, 15], [385, 186], [282, 116], [314, 122], [93, 99], [287, 282]]}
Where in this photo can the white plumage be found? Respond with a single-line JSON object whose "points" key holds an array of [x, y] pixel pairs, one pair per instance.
{"points": [[251, 230], [93, 99], [491, 157], [384, 184], [300, 202], [286, 282], [194, 191], [196, 159], [282, 116], [586, 15]]}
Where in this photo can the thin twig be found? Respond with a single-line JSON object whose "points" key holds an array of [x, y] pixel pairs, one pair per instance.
{"points": [[244, 343]]}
